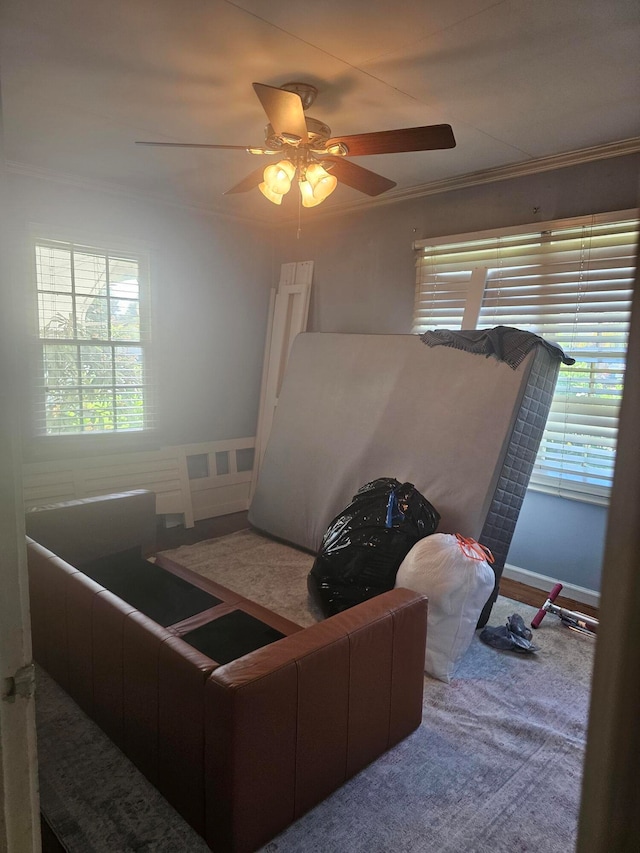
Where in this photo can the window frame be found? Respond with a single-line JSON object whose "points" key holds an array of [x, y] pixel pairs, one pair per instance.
{"points": [[464, 295], [39, 446]]}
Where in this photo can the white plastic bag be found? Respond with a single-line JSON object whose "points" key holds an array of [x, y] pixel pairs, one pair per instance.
{"points": [[454, 574]]}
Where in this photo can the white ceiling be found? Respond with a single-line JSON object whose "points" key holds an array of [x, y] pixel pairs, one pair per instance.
{"points": [[518, 80]]}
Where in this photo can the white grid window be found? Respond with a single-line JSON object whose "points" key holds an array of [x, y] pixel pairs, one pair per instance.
{"points": [[570, 282], [93, 336]]}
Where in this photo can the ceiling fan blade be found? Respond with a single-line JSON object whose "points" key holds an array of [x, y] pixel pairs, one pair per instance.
{"points": [[427, 138], [201, 145], [248, 183], [284, 111], [357, 177]]}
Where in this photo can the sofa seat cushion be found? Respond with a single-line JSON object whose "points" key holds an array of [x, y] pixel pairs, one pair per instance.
{"points": [[159, 594], [231, 636]]}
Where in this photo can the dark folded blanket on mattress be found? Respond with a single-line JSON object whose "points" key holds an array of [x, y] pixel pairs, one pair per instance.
{"points": [[507, 344]]}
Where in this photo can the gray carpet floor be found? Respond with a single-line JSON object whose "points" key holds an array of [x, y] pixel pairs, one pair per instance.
{"points": [[495, 766]]}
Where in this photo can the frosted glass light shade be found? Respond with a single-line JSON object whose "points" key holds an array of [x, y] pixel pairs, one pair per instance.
{"points": [[308, 198], [322, 183], [276, 198], [278, 176]]}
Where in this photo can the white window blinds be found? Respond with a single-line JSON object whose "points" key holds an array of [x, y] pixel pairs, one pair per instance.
{"points": [[442, 289], [571, 283]]}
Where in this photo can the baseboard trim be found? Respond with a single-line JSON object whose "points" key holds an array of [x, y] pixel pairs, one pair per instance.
{"points": [[544, 583]]}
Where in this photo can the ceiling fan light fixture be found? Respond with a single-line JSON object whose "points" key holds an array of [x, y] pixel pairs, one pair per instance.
{"points": [[276, 198], [322, 183], [308, 198], [306, 145], [278, 176]]}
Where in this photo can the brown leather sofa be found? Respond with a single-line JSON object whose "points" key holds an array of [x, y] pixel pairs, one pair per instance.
{"points": [[241, 749]]}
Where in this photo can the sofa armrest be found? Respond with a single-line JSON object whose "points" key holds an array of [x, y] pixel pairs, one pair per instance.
{"points": [[82, 530], [288, 724]]}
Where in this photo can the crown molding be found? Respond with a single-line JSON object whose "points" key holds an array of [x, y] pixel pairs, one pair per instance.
{"points": [[488, 176], [67, 179], [484, 176]]}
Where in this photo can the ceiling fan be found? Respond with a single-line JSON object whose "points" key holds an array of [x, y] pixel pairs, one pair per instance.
{"points": [[309, 151]]}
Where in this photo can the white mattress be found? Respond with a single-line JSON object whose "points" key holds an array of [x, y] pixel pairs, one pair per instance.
{"points": [[357, 407]]}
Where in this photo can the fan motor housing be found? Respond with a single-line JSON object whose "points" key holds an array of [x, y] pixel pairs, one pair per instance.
{"points": [[319, 134]]}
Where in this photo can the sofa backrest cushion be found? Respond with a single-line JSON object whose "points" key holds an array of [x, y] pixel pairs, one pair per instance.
{"points": [[83, 530], [297, 718]]}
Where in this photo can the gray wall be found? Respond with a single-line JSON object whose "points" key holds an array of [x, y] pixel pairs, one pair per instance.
{"points": [[210, 300], [211, 281], [560, 538], [364, 281]]}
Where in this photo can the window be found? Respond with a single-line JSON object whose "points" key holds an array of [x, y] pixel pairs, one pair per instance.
{"points": [[93, 337], [570, 282]]}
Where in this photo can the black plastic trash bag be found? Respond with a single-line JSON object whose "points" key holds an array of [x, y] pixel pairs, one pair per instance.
{"points": [[363, 547]]}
